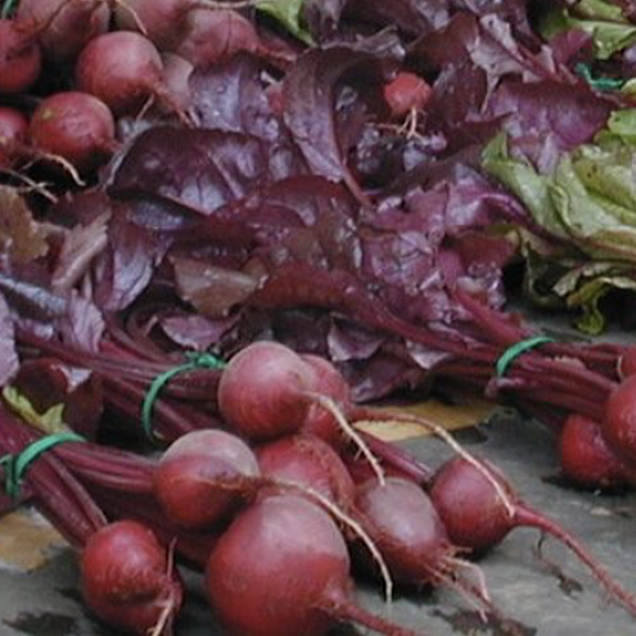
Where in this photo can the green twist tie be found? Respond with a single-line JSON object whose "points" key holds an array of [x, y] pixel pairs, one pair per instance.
{"points": [[598, 83], [16, 466], [195, 361], [517, 349], [8, 8]]}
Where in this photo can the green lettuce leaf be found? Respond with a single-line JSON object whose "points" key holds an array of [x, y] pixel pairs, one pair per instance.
{"points": [[288, 14], [611, 32], [589, 203]]}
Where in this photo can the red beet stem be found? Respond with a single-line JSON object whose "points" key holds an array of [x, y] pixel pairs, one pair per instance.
{"points": [[345, 610], [527, 516]]}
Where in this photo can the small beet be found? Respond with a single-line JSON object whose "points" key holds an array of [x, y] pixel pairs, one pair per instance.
{"points": [[202, 477], [122, 68], [127, 580], [20, 57], [406, 92], [64, 26], [619, 425], [328, 382], [310, 462], [586, 460], [261, 391], [477, 518], [75, 126], [13, 131]]}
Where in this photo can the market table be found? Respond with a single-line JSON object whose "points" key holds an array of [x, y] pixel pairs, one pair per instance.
{"points": [[45, 601]]}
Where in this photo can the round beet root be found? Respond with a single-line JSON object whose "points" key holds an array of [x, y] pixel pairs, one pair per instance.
{"points": [[261, 392], [122, 68], [619, 425], [66, 25], [282, 568], [203, 476], [75, 126], [20, 57], [126, 579], [586, 460], [13, 131]]}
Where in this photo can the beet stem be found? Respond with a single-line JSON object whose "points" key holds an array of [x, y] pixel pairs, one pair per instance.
{"points": [[525, 515], [347, 611]]}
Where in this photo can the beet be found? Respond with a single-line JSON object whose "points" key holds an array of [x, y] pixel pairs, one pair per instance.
{"points": [[329, 382], [123, 69], [406, 92], [13, 131], [213, 36], [408, 531], [619, 425], [65, 26], [477, 518], [161, 21], [309, 462], [285, 554], [20, 57], [128, 581], [176, 73], [626, 365], [261, 391], [202, 477], [586, 460], [75, 126]]}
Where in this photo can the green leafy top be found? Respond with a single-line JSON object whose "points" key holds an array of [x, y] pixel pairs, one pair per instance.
{"points": [[288, 13]]}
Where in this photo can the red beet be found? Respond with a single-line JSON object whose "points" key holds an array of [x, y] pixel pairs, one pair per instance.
{"points": [[282, 568], [123, 69], [176, 73], [627, 363], [406, 92], [619, 425], [161, 21], [261, 391], [13, 131], [20, 57], [213, 36], [66, 25], [202, 477], [402, 521], [586, 460], [308, 461], [477, 518], [75, 126], [127, 579], [329, 382]]}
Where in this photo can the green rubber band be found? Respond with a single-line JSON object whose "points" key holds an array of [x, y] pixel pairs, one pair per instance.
{"points": [[517, 349], [598, 83], [8, 8], [195, 361], [16, 466]]}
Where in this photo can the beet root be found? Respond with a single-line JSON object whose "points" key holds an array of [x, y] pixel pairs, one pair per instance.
{"points": [[308, 461], [586, 460], [203, 477], [261, 391], [476, 518], [20, 57], [128, 581], [619, 425], [75, 126], [285, 554]]}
